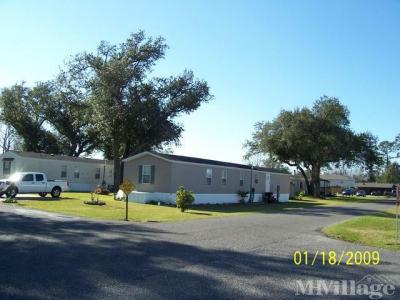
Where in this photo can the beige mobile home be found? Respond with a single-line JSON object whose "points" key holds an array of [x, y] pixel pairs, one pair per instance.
{"points": [[82, 174], [158, 176]]}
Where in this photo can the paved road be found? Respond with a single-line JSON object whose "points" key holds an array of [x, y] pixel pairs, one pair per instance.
{"points": [[48, 256]]}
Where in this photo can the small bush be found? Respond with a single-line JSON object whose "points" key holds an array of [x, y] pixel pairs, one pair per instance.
{"points": [[242, 195], [300, 195], [184, 199], [95, 202]]}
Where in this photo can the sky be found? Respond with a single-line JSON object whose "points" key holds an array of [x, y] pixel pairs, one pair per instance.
{"points": [[258, 57]]}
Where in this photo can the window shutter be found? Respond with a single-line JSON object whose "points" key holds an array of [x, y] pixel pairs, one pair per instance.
{"points": [[140, 174], [153, 169]]}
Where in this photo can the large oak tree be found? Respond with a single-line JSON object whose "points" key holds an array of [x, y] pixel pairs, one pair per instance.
{"points": [[22, 109], [51, 117], [310, 139], [132, 111]]}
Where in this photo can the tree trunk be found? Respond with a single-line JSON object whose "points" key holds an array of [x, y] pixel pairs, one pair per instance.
{"points": [[308, 185], [315, 177], [117, 162]]}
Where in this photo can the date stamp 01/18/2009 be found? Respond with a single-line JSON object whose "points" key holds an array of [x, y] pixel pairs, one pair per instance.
{"points": [[334, 258]]}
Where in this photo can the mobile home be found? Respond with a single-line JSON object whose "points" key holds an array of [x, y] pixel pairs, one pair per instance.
{"points": [[157, 176], [82, 174]]}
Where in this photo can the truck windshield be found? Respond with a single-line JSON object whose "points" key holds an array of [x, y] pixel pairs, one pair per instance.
{"points": [[15, 177]]}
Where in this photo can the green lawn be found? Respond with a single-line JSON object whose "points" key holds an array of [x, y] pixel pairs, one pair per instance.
{"points": [[373, 230], [73, 204]]}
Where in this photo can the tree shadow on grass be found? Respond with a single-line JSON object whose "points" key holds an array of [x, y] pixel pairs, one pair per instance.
{"points": [[52, 259], [254, 207], [298, 207]]}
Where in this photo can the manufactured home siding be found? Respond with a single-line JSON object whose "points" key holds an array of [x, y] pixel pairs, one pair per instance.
{"points": [[162, 171], [171, 172], [283, 180], [193, 177], [87, 172], [52, 167]]}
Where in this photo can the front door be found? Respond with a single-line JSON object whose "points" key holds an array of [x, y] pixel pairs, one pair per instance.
{"points": [[267, 182]]}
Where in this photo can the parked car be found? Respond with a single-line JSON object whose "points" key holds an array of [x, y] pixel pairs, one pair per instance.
{"points": [[347, 192], [361, 193], [32, 182], [391, 193], [376, 193]]}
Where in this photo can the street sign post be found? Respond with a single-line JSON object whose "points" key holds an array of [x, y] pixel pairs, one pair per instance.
{"points": [[126, 187]]}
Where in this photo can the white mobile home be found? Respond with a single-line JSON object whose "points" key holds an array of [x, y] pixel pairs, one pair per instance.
{"points": [[82, 174]]}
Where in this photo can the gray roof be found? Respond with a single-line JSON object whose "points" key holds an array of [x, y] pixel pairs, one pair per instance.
{"points": [[57, 157], [374, 185], [215, 162], [336, 177]]}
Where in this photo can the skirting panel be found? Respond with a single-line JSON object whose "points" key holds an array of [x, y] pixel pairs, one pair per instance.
{"points": [[143, 197]]}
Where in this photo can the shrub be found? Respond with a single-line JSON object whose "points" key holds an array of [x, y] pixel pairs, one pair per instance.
{"points": [[242, 195], [95, 202], [184, 198], [300, 195]]}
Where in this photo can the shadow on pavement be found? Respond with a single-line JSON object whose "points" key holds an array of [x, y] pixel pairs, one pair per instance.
{"points": [[53, 259]]}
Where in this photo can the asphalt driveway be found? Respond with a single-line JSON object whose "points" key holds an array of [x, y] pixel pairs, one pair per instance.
{"points": [[48, 256]]}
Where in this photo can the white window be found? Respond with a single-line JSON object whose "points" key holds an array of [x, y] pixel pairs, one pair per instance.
{"points": [[63, 171], [224, 176], [209, 176], [6, 167], [146, 174], [110, 173], [256, 178], [76, 172], [241, 180]]}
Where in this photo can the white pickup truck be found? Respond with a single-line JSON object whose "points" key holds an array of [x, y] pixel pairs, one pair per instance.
{"points": [[32, 183]]}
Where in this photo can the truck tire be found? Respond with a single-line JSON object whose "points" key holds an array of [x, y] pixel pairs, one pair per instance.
{"points": [[12, 192], [55, 192], [42, 194]]}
